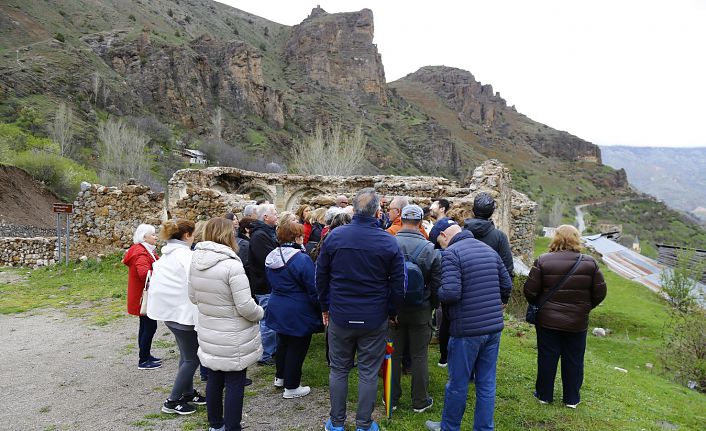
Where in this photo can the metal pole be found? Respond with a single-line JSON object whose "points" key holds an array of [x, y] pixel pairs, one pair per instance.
{"points": [[58, 239], [67, 237]]}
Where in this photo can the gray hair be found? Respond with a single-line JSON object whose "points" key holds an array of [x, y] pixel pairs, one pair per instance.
{"points": [[264, 209], [366, 202], [331, 213], [250, 210], [401, 201], [141, 232]]}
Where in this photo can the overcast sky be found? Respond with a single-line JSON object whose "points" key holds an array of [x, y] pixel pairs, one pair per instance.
{"points": [[614, 72]]}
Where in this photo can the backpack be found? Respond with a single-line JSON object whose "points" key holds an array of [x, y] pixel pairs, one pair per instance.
{"points": [[414, 295]]}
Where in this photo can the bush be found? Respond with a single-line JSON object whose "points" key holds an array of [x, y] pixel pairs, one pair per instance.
{"points": [[684, 352], [63, 176], [517, 305], [60, 37]]}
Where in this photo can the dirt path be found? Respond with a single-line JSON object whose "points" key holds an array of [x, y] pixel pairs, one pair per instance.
{"points": [[60, 373]]}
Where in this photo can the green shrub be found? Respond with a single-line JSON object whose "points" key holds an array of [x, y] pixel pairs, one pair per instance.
{"points": [[517, 305], [60, 37], [13, 138], [62, 175], [684, 349], [30, 120]]}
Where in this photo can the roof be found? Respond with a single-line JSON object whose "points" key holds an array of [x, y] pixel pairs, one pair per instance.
{"points": [[195, 152]]}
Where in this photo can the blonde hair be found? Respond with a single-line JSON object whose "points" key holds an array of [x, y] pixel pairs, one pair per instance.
{"points": [[300, 211], [220, 230], [198, 231], [566, 238], [286, 217], [317, 215], [176, 229]]}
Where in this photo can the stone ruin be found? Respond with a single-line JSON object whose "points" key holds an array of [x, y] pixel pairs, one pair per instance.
{"points": [[105, 218]]}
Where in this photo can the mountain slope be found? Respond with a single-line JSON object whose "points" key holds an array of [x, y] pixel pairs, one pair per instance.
{"points": [[675, 175]]}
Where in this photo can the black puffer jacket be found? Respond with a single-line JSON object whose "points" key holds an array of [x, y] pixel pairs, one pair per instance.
{"points": [[485, 231], [262, 242], [567, 310]]}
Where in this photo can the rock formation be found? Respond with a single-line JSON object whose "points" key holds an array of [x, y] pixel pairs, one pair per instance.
{"points": [[337, 51]]}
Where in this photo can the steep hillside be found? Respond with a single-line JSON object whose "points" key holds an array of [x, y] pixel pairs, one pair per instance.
{"points": [[24, 201], [675, 175]]}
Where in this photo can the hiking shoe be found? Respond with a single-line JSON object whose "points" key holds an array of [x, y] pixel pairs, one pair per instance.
{"points": [[433, 426], [179, 407], [572, 406], [195, 398], [149, 365], [427, 406], [299, 392], [328, 426], [541, 401], [373, 427], [279, 383]]}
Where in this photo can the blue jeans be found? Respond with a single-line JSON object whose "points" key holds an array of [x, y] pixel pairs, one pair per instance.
{"points": [[468, 355], [269, 337]]}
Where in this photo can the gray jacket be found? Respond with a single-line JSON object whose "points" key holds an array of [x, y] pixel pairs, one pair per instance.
{"points": [[429, 261]]}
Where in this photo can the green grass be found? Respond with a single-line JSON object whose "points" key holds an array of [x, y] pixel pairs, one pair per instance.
{"points": [[91, 289]]}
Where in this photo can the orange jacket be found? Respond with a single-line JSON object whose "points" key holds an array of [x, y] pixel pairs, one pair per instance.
{"points": [[397, 225]]}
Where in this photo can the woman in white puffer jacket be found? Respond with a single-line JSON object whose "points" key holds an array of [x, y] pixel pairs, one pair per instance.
{"points": [[228, 322]]}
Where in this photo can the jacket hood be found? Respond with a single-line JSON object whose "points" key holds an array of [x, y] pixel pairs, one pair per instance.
{"points": [[174, 244], [274, 259], [208, 253], [480, 227]]}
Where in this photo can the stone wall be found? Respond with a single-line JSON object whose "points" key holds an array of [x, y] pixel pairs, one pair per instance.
{"points": [[522, 231], [105, 218], [19, 231], [32, 252]]}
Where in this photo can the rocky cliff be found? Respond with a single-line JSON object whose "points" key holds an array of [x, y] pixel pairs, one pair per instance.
{"points": [[479, 108], [337, 51]]}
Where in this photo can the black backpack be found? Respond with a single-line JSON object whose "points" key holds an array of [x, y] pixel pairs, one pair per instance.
{"points": [[414, 295]]}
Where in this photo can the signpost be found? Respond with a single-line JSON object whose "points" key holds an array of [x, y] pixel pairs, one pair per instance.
{"points": [[59, 209]]}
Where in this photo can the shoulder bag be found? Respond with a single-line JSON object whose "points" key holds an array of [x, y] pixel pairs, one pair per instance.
{"points": [[143, 299], [533, 310]]}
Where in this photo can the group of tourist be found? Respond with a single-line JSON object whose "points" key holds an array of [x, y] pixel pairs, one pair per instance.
{"points": [[236, 292]]}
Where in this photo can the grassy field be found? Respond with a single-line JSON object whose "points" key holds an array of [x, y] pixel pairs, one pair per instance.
{"points": [[644, 398]]}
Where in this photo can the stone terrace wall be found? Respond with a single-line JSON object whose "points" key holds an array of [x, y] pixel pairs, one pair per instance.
{"points": [[19, 231], [524, 219], [105, 218], [33, 252]]}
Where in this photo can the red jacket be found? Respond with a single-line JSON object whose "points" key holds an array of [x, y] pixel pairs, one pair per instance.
{"points": [[138, 261]]}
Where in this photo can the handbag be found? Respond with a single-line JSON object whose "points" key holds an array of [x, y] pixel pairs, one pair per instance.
{"points": [[143, 299], [533, 310]]}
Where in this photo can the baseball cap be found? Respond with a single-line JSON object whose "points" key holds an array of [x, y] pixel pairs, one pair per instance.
{"points": [[412, 212], [441, 225]]}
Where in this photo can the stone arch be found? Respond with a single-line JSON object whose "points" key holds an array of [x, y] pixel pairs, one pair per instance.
{"points": [[296, 196], [256, 191]]}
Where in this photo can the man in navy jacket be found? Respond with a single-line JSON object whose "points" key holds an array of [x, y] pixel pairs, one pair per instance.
{"points": [[360, 278], [474, 286]]}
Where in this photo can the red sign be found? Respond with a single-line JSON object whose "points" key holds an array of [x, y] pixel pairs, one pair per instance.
{"points": [[63, 208]]}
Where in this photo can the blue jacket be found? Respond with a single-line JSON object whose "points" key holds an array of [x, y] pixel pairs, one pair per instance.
{"points": [[473, 279], [360, 274], [294, 306]]}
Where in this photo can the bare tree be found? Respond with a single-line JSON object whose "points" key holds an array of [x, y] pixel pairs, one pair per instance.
{"points": [[61, 131], [217, 125], [95, 80], [122, 151], [556, 215], [332, 152]]}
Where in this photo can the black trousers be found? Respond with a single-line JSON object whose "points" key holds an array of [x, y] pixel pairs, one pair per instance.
{"points": [[144, 337], [289, 359], [234, 384], [570, 347]]}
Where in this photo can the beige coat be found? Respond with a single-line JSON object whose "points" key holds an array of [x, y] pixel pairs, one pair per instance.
{"points": [[228, 329]]}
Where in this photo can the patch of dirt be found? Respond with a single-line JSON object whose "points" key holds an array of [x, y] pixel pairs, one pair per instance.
{"points": [[25, 201], [60, 373]]}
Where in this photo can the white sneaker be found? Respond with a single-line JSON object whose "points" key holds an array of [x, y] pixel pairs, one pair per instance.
{"points": [[573, 406], [442, 364], [279, 383], [299, 392]]}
